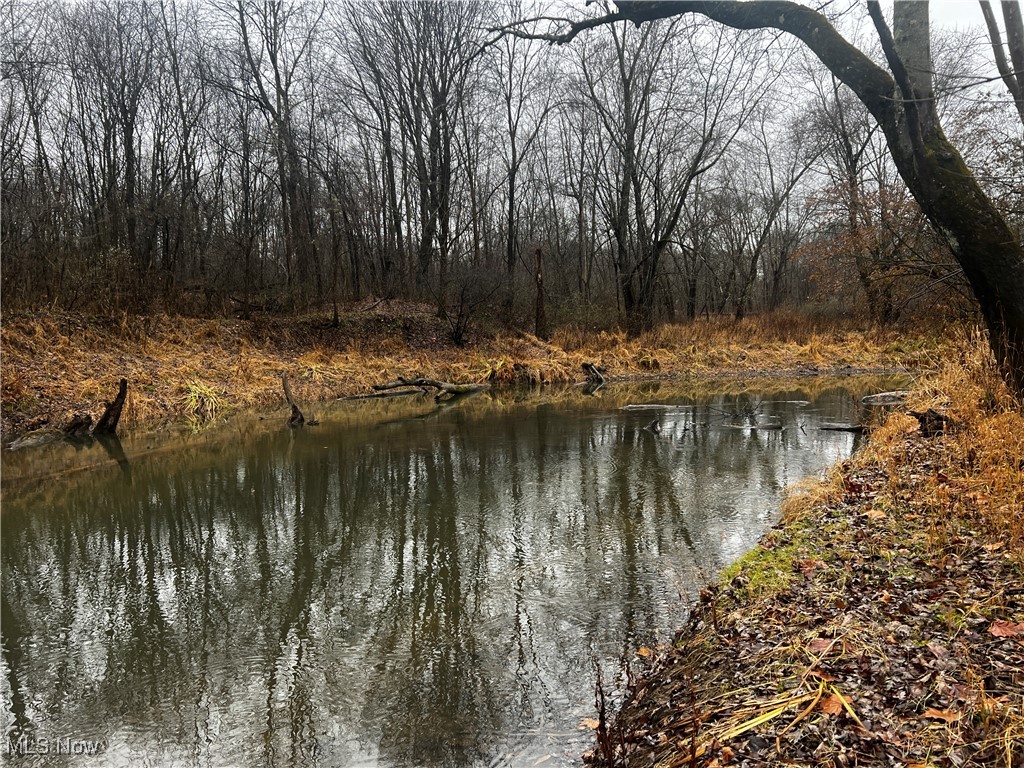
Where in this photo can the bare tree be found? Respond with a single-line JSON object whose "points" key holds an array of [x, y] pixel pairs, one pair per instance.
{"points": [[663, 131]]}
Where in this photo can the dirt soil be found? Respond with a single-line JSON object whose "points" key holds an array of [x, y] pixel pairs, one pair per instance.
{"points": [[868, 629]]}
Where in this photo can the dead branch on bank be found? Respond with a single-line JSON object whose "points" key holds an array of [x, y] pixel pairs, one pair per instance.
{"points": [[444, 388], [296, 419], [107, 425], [595, 379]]}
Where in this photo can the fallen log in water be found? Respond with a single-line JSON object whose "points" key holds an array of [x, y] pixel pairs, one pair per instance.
{"points": [[855, 428], [444, 388], [895, 397]]}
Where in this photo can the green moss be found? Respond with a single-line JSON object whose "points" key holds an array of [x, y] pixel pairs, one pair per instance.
{"points": [[770, 567]]}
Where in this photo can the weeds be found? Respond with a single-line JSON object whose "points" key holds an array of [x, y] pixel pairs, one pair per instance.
{"points": [[201, 402]]}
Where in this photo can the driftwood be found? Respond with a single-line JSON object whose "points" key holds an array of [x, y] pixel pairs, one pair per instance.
{"points": [[593, 373], [444, 388], [78, 426], [296, 419], [594, 380], [855, 428], [886, 398]]}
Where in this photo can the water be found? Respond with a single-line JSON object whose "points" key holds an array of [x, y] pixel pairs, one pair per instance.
{"points": [[399, 586]]}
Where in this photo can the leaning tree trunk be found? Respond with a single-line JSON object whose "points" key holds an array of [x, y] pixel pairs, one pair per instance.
{"points": [[986, 248]]}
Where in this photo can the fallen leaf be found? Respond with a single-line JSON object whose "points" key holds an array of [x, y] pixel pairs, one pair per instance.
{"points": [[808, 565], [875, 514], [942, 714], [938, 651], [821, 675], [727, 755], [831, 705], [1006, 629], [645, 652], [591, 723], [542, 759], [819, 645]]}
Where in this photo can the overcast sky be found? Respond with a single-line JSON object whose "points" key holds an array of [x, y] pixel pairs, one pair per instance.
{"points": [[956, 13]]}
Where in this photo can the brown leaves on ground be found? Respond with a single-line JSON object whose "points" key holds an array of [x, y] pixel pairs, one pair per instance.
{"points": [[901, 644]]}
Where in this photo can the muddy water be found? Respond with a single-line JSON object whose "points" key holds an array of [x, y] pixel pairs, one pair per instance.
{"points": [[399, 586]]}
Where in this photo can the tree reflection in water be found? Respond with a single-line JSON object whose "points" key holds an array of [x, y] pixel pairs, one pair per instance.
{"points": [[422, 592]]}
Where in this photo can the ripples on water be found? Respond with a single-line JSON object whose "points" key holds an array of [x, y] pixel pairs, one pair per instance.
{"points": [[395, 587]]}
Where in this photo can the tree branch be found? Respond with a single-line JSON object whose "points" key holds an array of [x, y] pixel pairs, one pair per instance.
{"points": [[872, 84]]}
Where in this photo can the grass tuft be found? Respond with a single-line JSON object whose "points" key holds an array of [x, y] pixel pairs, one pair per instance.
{"points": [[200, 402]]}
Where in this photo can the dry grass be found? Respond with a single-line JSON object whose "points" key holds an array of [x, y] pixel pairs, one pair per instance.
{"points": [[979, 475], [56, 365]]}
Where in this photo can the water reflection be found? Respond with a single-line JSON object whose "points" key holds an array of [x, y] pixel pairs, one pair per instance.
{"points": [[415, 592]]}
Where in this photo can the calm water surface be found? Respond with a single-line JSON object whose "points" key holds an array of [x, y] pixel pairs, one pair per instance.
{"points": [[399, 586]]}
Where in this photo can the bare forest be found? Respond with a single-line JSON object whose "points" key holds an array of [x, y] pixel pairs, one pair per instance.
{"points": [[343, 265], [236, 156]]}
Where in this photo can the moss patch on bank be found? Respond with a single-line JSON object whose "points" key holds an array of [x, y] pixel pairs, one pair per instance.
{"points": [[193, 369], [882, 623]]}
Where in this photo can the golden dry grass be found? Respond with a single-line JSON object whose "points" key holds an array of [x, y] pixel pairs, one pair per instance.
{"points": [[979, 474], [56, 365]]}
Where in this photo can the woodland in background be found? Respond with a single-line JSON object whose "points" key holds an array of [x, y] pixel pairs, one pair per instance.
{"points": [[261, 155]]}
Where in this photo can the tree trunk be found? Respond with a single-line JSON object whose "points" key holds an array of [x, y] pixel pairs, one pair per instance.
{"points": [[540, 319]]}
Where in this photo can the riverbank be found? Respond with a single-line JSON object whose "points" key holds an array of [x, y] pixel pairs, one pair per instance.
{"points": [[881, 623], [188, 369]]}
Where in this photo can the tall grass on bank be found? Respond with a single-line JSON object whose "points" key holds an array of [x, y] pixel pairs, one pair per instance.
{"points": [[973, 474], [55, 365], [976, 471]]}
